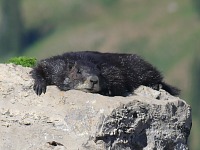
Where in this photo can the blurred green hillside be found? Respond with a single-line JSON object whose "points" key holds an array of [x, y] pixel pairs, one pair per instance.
{"points": [[157, 30], [166, 33]]}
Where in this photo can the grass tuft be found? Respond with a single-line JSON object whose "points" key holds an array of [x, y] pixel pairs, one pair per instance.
{"points": [[23, 61]]}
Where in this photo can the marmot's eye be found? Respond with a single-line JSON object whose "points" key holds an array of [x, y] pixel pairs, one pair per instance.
{"points": [[78, 71]]}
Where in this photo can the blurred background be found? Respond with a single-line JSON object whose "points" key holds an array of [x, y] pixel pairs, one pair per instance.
{"points": [[166, 33]]}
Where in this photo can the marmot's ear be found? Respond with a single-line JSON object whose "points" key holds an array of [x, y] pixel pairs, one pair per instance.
{"points": [[98, 66], [70, 64]]}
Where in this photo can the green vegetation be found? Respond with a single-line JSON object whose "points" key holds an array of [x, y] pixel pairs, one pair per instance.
{"points": [[23, 61]]}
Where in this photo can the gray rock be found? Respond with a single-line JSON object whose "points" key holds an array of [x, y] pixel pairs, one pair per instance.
{"points": [[75, 120]]}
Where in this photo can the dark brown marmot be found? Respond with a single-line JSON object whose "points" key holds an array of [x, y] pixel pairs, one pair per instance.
{"points": [[109, 74]]}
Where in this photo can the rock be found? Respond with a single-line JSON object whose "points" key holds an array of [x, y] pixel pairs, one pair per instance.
{"points": [[75, 120]]}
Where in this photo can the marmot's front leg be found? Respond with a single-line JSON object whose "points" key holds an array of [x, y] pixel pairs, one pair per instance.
{"points": [[40, 87], [40, 83]]}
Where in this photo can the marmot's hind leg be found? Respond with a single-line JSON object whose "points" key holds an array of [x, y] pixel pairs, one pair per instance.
{"points": [[172, 90]]}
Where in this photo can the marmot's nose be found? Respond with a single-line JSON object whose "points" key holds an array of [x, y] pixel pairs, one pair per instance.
{"points": [[94, 79]]}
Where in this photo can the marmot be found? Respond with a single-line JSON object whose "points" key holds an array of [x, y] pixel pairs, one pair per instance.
{"points": [[111, 74]]}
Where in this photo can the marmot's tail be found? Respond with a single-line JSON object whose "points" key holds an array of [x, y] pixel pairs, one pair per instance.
{"points": [[172, 90]]}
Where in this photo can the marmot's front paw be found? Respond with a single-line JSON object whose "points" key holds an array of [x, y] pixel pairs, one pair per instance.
{"points": [[40, 87]]}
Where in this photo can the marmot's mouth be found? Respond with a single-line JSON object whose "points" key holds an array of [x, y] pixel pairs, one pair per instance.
{"points": [[91, 90], [88, 88]]}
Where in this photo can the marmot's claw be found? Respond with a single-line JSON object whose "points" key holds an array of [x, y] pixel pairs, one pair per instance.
{"points": [[39, 88], [44, 89]]}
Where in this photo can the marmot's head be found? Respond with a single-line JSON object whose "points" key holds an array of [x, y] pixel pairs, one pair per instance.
{"points": [[84, 76]]}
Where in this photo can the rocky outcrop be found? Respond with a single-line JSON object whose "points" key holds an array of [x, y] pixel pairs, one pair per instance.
{"points": [[75, 120]]}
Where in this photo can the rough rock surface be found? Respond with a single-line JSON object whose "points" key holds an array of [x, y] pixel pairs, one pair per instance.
{"points": [[75, 120]]}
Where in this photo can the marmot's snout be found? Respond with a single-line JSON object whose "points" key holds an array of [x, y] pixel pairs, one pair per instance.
{"points": [[92, 84], [94, 79]]}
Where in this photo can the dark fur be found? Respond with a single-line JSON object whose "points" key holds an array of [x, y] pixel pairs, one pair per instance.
{"points": [[105, 73]]}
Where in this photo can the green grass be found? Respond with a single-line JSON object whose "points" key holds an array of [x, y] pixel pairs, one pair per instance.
{"points": [[23, 61]]}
